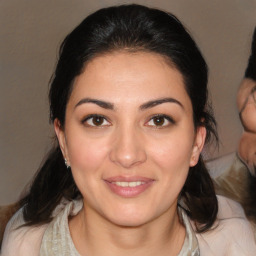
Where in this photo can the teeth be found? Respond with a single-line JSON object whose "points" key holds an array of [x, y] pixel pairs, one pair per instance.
{"points": [[128, 184]]}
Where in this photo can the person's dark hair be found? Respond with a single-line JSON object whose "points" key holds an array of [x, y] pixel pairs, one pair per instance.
{"points": [[250, 71], [129, 28]]}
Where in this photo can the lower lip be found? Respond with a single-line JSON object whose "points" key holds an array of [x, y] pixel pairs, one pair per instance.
{"points": [[128, 192]]}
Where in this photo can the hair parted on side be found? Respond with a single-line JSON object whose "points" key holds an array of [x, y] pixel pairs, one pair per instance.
{"points": [[125, 28]]}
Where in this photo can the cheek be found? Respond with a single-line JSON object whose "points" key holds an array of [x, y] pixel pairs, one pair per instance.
{"points": [[172, 160], [175, 154], [86, 159], [87, 154]]}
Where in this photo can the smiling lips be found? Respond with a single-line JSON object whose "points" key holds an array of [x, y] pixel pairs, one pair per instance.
{"points": [[128, 187], [125, 184]]}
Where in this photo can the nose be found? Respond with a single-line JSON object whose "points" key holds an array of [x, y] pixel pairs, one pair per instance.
{"points": [[128, 148]]}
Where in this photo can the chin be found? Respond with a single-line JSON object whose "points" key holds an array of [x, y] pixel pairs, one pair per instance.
{"points": [[130, 222], [130, 218]]}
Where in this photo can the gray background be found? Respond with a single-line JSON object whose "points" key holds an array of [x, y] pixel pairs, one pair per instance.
{"points": [[30, 34]]}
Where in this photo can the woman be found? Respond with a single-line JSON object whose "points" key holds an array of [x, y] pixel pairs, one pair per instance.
{"points": [[246, 103], [129, 105]]}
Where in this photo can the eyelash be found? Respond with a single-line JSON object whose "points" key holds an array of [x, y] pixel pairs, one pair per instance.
{"points": [[104, 119]]}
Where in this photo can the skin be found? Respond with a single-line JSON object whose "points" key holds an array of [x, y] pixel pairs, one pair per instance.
{"points": [[247, 110], [246, 104], [130, 141]]}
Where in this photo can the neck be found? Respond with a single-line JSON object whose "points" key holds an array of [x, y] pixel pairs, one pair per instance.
{"points": [[94, 235]]}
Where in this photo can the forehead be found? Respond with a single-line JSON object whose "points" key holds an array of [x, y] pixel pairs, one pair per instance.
{"points": [[125, 76]]}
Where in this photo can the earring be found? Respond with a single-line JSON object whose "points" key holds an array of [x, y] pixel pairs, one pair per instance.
{"points": [[66, 163], [193, 161]]}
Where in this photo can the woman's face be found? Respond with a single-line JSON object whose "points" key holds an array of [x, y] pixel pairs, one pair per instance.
{"points": [[129, 137]]}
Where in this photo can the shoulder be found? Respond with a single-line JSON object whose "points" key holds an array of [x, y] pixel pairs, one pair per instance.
{"points": [[23, 241], [229, 209], [232, 233]]}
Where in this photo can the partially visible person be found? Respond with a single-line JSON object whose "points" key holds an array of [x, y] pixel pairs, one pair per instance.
{"points": [[238, 180], [246, 103]]}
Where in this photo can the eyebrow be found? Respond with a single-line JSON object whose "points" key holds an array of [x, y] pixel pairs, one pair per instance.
{"points": [[147, 105], [153, 103], [100, 103]]}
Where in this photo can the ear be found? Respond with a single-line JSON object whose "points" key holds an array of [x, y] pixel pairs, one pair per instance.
{"points": [[61, 138], [198, 145]]}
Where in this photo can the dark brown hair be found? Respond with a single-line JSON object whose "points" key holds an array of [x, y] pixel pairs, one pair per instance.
{"points": [[250, 71]]}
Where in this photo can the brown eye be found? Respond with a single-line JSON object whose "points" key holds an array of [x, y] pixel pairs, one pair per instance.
{"points": [[160, 121], [96, 121]]}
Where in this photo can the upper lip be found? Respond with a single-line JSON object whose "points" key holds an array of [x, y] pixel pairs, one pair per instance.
{"points": [[128, 179]]}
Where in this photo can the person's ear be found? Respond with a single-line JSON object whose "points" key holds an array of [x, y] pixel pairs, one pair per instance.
{"points": [[198, 145], [61, 138]]}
